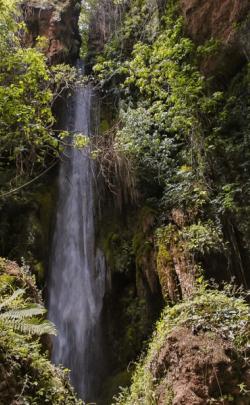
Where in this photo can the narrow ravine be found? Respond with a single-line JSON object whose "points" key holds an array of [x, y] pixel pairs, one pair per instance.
{"points": [[77, 270]]}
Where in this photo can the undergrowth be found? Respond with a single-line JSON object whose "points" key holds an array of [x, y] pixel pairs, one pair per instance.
{"points": [[27, 375]]}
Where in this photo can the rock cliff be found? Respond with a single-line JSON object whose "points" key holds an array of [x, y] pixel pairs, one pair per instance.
{"points": [[57, 21], [225, 22], [219, 33]]}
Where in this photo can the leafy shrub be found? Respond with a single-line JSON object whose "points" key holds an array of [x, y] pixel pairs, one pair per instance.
{"points": [[28, 90]]}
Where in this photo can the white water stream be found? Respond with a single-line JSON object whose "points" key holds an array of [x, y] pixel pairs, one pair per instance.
{"points": [[77, 271]]}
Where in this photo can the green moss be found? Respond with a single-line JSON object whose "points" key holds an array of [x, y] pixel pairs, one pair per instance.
{"points": [[104, 126], [45, 200], [2, 263], [130, 243], [39, 271], [117, 249], [142, 242], [6, 279], [121, 379], [211, 310], [127, 243], [25, 223], [165, 267]]}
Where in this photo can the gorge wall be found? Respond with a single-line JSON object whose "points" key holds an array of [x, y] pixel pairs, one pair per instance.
{"points": [[27, 218], [161, 246], [57, 21]]}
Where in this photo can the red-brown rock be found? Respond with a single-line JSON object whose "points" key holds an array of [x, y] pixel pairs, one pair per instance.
{"points": [[225, 21], [57, 22]]}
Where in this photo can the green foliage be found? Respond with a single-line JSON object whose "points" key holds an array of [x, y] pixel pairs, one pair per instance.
{"points": [[187, 140], [80, 141], [217, 312], [149, 151], [28, 90], [200, 237], [228, 146], [24, 317], [164, 100], [118, 250], [34, 380], [203, 237]]}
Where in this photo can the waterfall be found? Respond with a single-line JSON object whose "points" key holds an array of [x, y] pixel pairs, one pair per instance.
{"points": [[77, 270]]}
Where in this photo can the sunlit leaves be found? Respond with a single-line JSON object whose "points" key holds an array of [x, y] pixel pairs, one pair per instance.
{"points": [[28, 90], [80, 141]]}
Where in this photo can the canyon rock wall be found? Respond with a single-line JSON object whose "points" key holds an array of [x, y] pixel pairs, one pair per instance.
{"points": [[224, 27], [226, 22], [57, 22], [214, 19]]}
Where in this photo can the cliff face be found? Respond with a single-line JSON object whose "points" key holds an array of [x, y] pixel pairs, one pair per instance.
{"points": [[57, 21], [219, 33], [210, 19], [224, 21], [106, 18]]}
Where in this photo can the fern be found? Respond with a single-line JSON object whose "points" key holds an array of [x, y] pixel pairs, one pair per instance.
{"points": [[12, 298], [33, 327], [25, 320], [27, 312]]}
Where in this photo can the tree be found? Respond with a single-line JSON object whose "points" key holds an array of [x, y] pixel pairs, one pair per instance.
{"points": [[28, 89]]}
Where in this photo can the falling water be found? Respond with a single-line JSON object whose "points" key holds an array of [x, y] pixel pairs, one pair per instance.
{"points": [[77, 271]]}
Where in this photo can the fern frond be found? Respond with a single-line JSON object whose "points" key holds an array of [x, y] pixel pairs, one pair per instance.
{"points": [[45, 327], [33, 327], [25, 320], [23, 313], [12, 298], [3, 287]]}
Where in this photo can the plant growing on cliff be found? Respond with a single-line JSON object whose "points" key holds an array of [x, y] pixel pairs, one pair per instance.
{"points": [[188, 143], [164, 99], [23, 317], [186, 140], [217, 313], [28, 90], [26, 373]]}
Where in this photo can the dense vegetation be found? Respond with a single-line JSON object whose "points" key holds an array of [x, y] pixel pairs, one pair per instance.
{"points": [[174, 125], [28, 146], [210, 313], [28, 89], [27, 376], [179, 144], [173, 152]]}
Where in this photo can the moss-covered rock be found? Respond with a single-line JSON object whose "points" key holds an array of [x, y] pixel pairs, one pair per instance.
{"points": [[134, 299], [26, 374], [197, 354], [26, 220]]}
